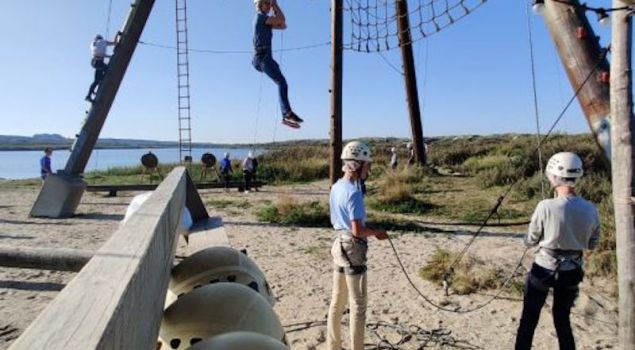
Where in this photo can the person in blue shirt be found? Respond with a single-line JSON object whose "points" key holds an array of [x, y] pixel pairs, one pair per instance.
{"points": [[263, 59], [226, 170], [45, 163], [348, 217]]}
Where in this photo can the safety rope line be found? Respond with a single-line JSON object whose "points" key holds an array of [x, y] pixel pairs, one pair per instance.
{"points": [[411, 335], [492, 212], [390, 64], [253, 145], [222, 52], [511, 186], [108, 20], [535, 93], [457, 310]]}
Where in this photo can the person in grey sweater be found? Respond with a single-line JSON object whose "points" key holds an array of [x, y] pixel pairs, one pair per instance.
{"points": [[562, 228]]}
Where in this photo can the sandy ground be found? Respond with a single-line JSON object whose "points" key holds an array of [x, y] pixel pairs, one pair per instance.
{"points": [[297, 264]]}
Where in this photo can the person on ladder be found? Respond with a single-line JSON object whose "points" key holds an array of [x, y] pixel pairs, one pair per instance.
{"points": [[98, 50], [562, 227], [263, 59]]}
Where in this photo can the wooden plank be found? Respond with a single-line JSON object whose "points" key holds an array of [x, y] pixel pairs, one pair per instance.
{"points": [[206, 233], [45, 258], [116, 300], [623, 159]]}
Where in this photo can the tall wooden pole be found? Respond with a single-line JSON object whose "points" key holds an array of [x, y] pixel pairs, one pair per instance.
{"points": [[337, 46], [410, 78], [623, 158], [580, 52]]}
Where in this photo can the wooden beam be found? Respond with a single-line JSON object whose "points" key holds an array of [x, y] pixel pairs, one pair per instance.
{"points": [[580, 53], [116, 300], [337, 59], [410, 80], [623, 159], [57, 259]]}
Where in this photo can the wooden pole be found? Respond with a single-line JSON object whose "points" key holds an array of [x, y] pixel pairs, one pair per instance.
{"points": [[623, 158], [580, 52], [410, 78], [44, 258], [337, 46]]}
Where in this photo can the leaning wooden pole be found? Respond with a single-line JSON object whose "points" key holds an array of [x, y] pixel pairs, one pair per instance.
{"points": [[410, 78], [580, 53], [623, 158], [337, 47]]}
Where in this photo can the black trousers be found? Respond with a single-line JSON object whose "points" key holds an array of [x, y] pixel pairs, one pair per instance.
{"points": [[100, 72], [565, 291], [247, 175]]}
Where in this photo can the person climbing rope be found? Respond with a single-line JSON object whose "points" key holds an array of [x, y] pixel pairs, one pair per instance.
{"points": [[263, 59], [562, 228], [226, 170], [98, 49], [348, 217]]}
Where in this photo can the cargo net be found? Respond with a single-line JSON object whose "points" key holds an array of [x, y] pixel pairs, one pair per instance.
{"points": [[374, 22]]}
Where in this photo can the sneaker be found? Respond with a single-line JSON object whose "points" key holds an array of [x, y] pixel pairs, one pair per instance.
{"points": [[89, 99], [292, 117]]}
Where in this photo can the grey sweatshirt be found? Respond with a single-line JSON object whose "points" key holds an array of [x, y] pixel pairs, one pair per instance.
{"points": [[567, 223]]}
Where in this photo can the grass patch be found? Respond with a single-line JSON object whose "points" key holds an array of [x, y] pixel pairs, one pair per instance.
{"points": [[288, 211], [470, 274], [222, 204]]}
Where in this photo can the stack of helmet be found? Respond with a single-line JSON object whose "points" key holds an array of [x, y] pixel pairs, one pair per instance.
{"points": [[219, 299]]}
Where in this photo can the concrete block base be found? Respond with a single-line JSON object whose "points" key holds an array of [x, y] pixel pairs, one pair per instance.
{"points": [[59, 197]]}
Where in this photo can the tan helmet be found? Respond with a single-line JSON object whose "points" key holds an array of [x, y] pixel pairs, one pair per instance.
{"points": [[217, 264], [565, 165], [217, 309], [356, 150], [240, 341]]}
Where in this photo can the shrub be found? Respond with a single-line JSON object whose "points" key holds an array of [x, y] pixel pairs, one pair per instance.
{"points": [[289, 212], [469, 274]]}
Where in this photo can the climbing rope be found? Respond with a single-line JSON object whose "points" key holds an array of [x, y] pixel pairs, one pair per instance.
{"points": [[411, 336], [535, 93], [239, 52], [108, 20], [492, 212]]}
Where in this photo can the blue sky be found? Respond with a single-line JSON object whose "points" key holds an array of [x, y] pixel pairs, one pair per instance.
{"points": [[477, 79]]}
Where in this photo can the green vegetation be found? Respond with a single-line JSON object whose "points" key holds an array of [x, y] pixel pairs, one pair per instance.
{"points": [[288, 211], [470, 274], [465, 178]]}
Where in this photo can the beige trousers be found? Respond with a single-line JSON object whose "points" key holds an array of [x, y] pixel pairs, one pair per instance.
{"points": [[353, 288]]}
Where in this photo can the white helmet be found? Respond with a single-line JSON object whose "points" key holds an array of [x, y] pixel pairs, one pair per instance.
{"points": [[408, 145], [256, 2], [214, 265], [215, 309], [240, 341], [226, 154], [356, 150], [393, 150], [250, 154], [565, 165]]}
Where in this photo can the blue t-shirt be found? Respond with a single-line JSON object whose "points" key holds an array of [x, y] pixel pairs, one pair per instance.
{"points": [[262, 33], [225, 166], [45, 164], [346, 204]]}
